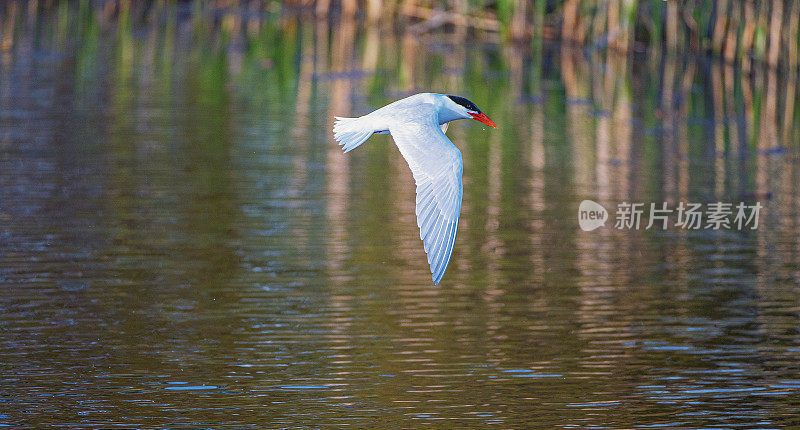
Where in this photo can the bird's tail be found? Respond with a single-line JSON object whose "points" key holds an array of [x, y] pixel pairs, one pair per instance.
{"points": [[351, 132]]}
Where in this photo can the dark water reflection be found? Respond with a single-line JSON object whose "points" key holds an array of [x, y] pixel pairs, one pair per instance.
{"points": [[182, 244]]}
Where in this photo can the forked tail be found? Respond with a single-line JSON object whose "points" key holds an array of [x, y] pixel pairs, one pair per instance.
{"points": [[351, 132]]}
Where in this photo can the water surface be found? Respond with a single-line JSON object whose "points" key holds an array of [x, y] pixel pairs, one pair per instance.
{"points": [[182, 244]]}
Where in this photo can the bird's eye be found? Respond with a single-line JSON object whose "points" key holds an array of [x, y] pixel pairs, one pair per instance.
{"points": [[466, 104]]}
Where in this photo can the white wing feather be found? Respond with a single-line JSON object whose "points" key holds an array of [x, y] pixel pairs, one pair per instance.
{"points": [[437, 167]]}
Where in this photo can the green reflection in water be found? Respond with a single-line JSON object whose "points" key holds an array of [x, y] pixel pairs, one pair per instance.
{"points": [[183, 240]]}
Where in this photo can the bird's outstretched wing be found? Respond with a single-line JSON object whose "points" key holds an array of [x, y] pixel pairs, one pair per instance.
{"points": [[437, 166]]}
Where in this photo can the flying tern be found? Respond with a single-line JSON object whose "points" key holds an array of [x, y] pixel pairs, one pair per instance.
{"points": [[417, 125]]}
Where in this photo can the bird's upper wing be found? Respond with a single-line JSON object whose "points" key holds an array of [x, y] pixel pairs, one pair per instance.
{"points": [[437, 166]]}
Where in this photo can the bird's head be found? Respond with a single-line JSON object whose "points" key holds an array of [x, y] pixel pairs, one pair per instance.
{"points": [[466, 109]]}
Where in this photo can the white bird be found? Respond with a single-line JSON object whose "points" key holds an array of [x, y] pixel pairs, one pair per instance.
{"points": [[417, 125]]}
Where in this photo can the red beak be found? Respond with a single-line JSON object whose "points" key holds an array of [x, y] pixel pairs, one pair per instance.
{"points": [[481, 117]]}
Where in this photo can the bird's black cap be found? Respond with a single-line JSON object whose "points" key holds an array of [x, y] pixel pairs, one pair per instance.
{"points": [[466, 103]]}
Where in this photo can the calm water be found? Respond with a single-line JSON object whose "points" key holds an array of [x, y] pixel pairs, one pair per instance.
{"points": [[183, 245]]}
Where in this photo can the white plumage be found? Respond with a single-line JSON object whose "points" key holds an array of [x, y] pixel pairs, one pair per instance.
{"points": [[417, 124]]}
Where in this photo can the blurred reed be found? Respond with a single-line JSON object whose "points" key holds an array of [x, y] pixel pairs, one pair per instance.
{"points": [[738, 31], [255, 45]]}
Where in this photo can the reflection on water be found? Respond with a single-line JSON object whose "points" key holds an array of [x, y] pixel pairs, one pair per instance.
{"points": [[183, 244]]}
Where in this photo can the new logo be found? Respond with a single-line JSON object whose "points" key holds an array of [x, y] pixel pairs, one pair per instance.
{"points": [[591, 215]]}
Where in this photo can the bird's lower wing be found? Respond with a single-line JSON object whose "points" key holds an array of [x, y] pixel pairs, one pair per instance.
{"points": [[438, 208], [437, 166]]}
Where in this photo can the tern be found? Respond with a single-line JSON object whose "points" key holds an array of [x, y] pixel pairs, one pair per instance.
{"points": [[417, 124]]}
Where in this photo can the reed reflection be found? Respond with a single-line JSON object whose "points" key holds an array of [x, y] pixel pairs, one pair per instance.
{"points": [[188, 171]]}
